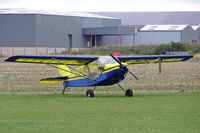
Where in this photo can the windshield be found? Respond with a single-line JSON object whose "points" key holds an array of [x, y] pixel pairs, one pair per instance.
{"points": [[95, 68], [104, 60]]}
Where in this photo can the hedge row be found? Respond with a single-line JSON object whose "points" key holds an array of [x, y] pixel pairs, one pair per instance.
{"points": [[141, 49]]}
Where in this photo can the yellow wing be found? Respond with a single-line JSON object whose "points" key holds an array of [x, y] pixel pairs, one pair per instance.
{"points": [[142, 59], [59, 60]]}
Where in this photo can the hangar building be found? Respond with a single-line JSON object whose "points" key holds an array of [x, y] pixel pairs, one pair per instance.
{"points": [[30, 28], [159, 34], [196, 28]]}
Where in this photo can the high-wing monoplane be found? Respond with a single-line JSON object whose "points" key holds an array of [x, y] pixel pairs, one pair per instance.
{"points": [[93, 71]]}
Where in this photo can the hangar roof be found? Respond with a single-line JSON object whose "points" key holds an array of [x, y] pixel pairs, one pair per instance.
{"points": [[50, 12], [163, 27]]}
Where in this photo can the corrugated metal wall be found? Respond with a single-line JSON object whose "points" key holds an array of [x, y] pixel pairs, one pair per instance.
{"points": [[157, 37], [188, 35], [35, 30], [17, 30], [55, 30]]}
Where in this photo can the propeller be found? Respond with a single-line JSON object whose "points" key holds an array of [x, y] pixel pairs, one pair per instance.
{"points": [[120, 65], [116, 59]]}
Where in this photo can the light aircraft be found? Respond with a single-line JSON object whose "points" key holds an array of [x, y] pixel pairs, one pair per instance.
{"points": [[93, 71]]}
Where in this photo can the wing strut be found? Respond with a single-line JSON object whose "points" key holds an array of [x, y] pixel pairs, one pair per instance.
{"points": [[145, 65], [89, 77], [159, 65]]}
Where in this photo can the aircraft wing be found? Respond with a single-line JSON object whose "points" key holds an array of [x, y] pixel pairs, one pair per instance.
{"points": [[58, 60], [142, 59]]}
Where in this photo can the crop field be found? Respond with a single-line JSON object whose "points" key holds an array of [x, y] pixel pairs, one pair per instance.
{"points": [[175, 77], [167, 102]]}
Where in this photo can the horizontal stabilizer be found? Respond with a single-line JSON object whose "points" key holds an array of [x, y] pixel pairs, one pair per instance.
{"points": [[53, 80]]}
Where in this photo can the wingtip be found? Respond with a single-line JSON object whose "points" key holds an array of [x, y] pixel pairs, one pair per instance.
{"points": [[7, 60], [10, 59]]}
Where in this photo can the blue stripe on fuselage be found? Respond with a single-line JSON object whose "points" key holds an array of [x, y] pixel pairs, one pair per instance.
{"points": [[108, 78]]}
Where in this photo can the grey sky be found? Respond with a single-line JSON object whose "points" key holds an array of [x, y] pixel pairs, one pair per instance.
{"points": [[7, 1], [104, 5]]}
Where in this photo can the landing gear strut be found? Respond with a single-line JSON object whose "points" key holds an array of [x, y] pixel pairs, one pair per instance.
{"points": [[64, 90]]}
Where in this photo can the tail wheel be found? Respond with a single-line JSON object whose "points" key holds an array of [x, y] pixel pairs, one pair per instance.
{"points": [[129, 93], [90, 93]]}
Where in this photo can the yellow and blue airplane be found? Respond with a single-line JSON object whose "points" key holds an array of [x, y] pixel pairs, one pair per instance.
{"points": [[93, 71]]}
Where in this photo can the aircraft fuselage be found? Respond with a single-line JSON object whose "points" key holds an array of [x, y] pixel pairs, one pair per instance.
{"points": [[107, 77]]}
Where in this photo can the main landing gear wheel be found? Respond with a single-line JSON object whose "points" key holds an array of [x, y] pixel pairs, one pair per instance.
{"points": [[129, 93], [90, 93]]}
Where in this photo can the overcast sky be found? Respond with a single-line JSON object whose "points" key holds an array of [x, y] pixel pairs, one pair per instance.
{"points": [[104, 5]]}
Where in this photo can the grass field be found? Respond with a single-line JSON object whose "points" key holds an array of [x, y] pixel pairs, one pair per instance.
{"points": [[150, 113], [166, 102]]}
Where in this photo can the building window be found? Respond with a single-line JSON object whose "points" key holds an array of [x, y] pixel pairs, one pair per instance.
{"points": [[93, 41], [70, 40]]}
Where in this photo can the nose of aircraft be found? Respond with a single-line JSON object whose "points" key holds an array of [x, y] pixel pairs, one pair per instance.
{"points": [[124, 68]]}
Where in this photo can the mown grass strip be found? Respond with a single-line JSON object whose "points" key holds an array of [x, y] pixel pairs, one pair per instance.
{"points": [[159, 112]]}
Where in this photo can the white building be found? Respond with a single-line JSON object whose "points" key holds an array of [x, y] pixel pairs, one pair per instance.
{"points": [[196, 28], [161, 34]]}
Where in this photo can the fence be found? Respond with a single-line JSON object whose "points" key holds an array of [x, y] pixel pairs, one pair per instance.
{"points": [[9, 51]]}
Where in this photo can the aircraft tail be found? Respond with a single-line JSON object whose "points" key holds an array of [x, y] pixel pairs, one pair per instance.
{"points": [[64, 73], [53, 80]]}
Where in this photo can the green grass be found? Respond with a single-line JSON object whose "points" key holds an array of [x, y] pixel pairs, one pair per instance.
{"points": [[145, 112]]}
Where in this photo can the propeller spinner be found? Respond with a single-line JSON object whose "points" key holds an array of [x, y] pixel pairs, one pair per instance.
{"points": [[121, 65]]}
